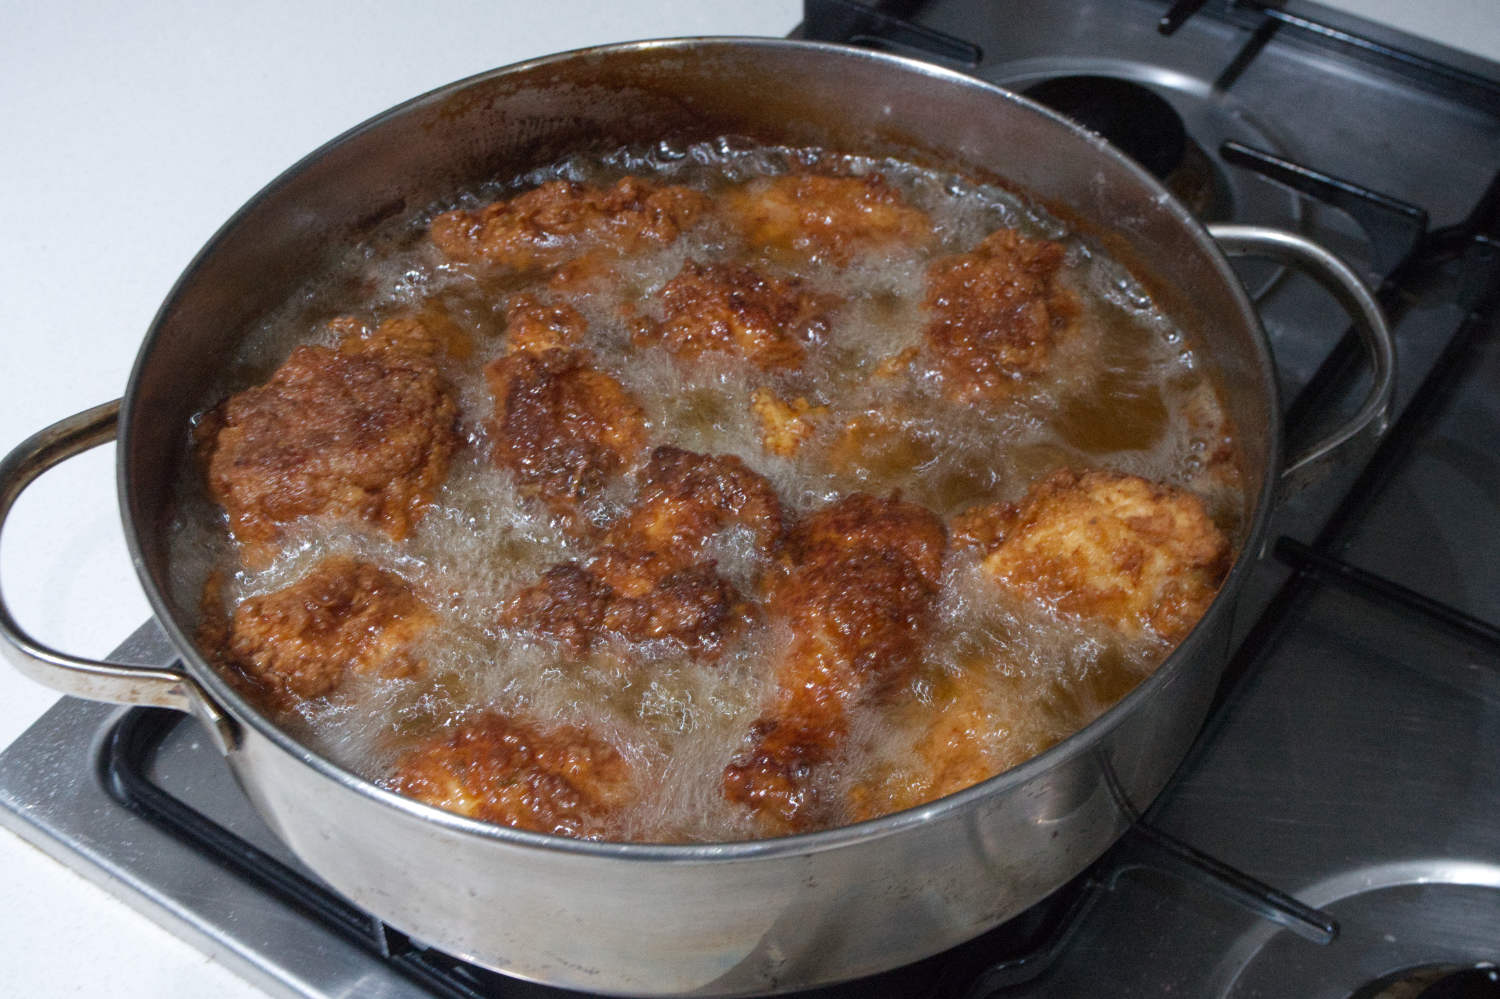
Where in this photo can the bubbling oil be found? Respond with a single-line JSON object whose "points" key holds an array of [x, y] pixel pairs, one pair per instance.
{"points": [[1114, 396]]}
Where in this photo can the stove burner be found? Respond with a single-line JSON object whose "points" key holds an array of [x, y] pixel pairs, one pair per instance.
{"points": [[1129, 115], [1480, 981], [1144, 126]]}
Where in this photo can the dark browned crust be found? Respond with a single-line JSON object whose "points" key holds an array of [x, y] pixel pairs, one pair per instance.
{"points": [[736, 310], [561, 219], [561, 426], [855, 592], [302, 641], [563, 780], [648, 580], [996, 315], [359, 437]]}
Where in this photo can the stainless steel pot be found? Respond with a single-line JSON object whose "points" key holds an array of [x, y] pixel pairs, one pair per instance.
{"points": [[737, 917]]}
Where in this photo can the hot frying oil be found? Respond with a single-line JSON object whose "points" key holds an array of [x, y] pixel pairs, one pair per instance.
{"points": [[999, 681]]}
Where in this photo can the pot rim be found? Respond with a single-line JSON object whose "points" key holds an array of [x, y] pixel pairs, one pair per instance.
{"points": [[1176, 663]]}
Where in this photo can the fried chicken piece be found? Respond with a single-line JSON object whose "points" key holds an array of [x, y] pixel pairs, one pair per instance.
{"points": [[580, 278], [356, 437], [855, 593], [300, 642], [561, 426], [737, 310], [534, 326], [563, 780], [428, 333], [686, 499], [948, 756], [784, 426], [1106, 546], [996, 315], [650, 580], [561, 219], [805, 217]]}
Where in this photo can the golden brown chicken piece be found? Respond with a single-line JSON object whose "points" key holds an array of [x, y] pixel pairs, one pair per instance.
{"points": [[650, 579], [598, 272], [784, 426], [805, 217], [736, 310], [685, 499], [562, 780], [534, 326], [1106, 546], [996, 315], [301, 642], [354, 437], [949, 756], [428, 333], [561, 219], [561, 426], [855, 592]]}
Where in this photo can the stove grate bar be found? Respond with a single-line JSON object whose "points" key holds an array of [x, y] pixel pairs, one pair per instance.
{"points": [[1178, 15], [1395, 227], [1145, 846], [873, 27], [1380, 589], [1450, 78]]}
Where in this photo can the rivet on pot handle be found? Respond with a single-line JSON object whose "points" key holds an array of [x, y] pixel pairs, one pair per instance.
{"points": [[1374, 416], [89, 678]]}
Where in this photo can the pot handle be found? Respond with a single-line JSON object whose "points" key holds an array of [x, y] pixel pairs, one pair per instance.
{"points": [[1340, 280], [89, 678]]}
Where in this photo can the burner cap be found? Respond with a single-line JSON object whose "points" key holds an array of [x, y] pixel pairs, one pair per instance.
{"points": [[1132, 117]]}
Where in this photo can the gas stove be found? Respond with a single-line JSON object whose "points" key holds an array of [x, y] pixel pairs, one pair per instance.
{"points": [[1332, 833]]}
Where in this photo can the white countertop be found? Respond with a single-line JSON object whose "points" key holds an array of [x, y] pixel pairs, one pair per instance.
{"points": [[131, 131]]}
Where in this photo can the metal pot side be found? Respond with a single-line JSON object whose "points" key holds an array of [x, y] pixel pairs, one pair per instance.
{"points": [[728, 918]]}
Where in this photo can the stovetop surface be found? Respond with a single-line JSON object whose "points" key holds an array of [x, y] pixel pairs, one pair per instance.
{"points": [[1354, 760]]}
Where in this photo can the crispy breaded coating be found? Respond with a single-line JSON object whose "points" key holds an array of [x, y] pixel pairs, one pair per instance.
{"points": [[996, 314], [784, 426], [649, 579], [591, 274], [561, 219], [534, 326], [737, 310], [826, 219], [948, 756], [561, 426], [429, 333], [685, 499], [562, 780], [855, 592], [356, 437], [301, 641], [1106, 546]]}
